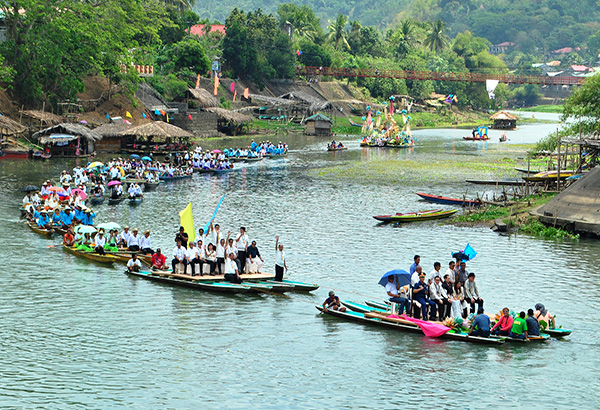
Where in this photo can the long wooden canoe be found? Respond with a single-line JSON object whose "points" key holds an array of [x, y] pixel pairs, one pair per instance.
{"points": [[135, 201], [115, 201], [110, 259], [40, 231], [219, 287], [452, 335], [253, 159], [337, 149], [150, 186], [175, 178], [357, 307], [416, 216], [502, 182], [297, 286], [437, 199], [124, 256], [548, 176]]}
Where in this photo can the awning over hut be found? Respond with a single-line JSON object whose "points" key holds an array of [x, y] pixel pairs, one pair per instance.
{"points": [[46, 118], [204, 98], [234, 117], [504, 120], [10, 127], [157, 130], [503, 115], [318, 117], [64, 133]]}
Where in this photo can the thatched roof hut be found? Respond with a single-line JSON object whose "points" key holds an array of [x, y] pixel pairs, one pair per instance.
{"points": [[10, 127], [204, 98], [112, 130], [234, 117], [46, 118], [68, 140], [157, 130], [504, 120], [315, 104]]}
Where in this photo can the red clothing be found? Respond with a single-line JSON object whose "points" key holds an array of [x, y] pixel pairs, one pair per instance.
{"points": [[158, 260], [505, 323]]}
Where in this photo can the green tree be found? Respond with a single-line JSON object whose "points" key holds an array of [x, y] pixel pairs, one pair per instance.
{"points": [[189, 53], [305, 23], [436, 39], [337, 31], [581, 109], [404, 38]]}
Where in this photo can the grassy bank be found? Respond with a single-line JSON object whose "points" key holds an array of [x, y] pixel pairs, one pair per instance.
{"points": [[543, 108]]}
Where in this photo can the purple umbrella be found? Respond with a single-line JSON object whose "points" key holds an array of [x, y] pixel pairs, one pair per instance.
{"points": [[113, 183]]}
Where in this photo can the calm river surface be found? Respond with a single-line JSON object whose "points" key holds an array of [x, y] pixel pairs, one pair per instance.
{"points": [[78, 335]]}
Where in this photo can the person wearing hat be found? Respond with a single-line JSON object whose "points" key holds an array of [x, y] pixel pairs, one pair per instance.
{"points": [[133, 241], [44, 191], [145, 246], [65, 178], [43, 221], [480, 325], [159, 261], [88, 217], [99, 242], [112, 242], [471, 293], [420, 295], [67, 218], [124, 237], [333, 302], [78, 215]]}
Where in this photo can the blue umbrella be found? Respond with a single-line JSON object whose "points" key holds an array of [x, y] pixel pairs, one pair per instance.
{"points": [[401, 277], [134, 156], [146, 159]]}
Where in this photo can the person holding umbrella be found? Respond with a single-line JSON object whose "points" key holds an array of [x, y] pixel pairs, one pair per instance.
{"points": [[396, 283]]}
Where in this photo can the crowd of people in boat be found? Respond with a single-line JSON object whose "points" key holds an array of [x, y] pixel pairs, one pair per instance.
{"points": [[438, 295], [335, 145], [382, 139]]}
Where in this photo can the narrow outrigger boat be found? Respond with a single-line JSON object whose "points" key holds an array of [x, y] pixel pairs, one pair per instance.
{"points": [[40, 231], [297, 286], [397, 324], [253, 159], [436, 199], [220, 287], [416, 216], [135, 201], [548, 176], [501, 182], [91, 255], [115, 201], [174, 178]]}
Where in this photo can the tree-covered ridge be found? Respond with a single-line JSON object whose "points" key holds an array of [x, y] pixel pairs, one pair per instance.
{"points": [[536, 26]]}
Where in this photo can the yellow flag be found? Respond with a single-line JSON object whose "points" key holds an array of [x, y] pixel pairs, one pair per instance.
{"points": [[234, 95], [167, 117], [215, 92], [128, 114], [187, 221]]}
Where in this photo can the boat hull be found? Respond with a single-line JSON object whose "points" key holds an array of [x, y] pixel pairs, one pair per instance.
{"points": [[415, 217], [105, 259], [220, 287], [436, 199]]}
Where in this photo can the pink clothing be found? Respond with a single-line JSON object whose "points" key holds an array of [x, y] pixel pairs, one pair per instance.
{"points": [[505, 323]]}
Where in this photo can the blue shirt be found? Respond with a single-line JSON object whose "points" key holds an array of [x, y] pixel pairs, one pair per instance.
{"points": [[482, 322], [413, 268], [43, 220], [533, 326], [88, 219], [67, 219], [79, 214]]}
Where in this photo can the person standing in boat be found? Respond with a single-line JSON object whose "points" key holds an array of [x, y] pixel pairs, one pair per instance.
{"points": [[450, 273], [280, 263], [231, 269], [241, 242], [220, 253], [436, 272], [182, 237], [420, 294], [461, 273], [333, 302], [396, 295], [504, 324], [414, 279], [436, 294]]}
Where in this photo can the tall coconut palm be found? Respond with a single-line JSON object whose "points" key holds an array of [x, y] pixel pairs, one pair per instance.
{"points": [[337, 31], [406, 38], [303, 29], [436, 40]]}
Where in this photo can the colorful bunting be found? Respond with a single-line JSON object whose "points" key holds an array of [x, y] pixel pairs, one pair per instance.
{"points": [[157, 112], [128, 114], [107, 116], [190, 116], [144, 115], [246, 93]]}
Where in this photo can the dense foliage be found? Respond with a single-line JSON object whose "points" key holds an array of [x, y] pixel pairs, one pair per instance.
{"points": [[581, 111]]}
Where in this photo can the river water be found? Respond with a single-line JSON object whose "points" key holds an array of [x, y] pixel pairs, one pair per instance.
{"points": [[78, 335]]}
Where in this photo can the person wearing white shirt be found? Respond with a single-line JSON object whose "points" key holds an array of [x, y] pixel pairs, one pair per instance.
{"points": [[134, 264], [450, 271], [220, 253], [210, 257], [191, 257], [133, 241], [100, 241], [435, 272], [436, 294], [393, 290], [178, 256], [124, 237], [414, 279], [145, 245], [231, 248], [231, 270], [280, 263], [241, 242]]}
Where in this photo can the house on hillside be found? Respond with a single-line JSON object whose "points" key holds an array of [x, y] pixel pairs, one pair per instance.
{"points": [[501, 48], [318, 124], [202, 29]]}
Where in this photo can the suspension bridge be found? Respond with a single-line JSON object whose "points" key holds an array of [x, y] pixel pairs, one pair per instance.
{"points": [[438, 76]]}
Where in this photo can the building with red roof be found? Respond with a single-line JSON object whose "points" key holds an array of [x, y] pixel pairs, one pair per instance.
{"points": [[198, 29]]}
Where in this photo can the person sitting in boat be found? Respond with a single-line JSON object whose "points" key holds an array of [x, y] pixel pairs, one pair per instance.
{"points": [[210, 256], [124, 237], [397, 295], [192, 258], [134, 191], [112, 241], [99, 242], [504, 324], [179, 256], [159, 262], [56, 218], [541, 314], [438, 296], [88, 217], [67, 218], [68, 237], [471, 293], [420, 294], [461, 273], [519, 327], [333, 303], [44, 191], [533, 326], [134, 264], [133, 241], [481, 324], [43, 220], [86, 243], [231, 269], [145, 245]]}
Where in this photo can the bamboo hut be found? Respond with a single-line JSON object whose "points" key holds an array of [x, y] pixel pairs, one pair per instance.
{"points": [[230, 122], [156, 136], [68, 140], [318, 124], [112, 138], [201, 98], [504, 120]]}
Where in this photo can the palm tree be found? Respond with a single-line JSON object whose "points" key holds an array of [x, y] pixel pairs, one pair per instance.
{"points": [[337, 31], [436, 40], [303, 29], [406, 38]]}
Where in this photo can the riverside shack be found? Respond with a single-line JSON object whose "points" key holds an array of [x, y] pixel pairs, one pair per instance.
{"points": [[318, 124], [504, 121]]}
